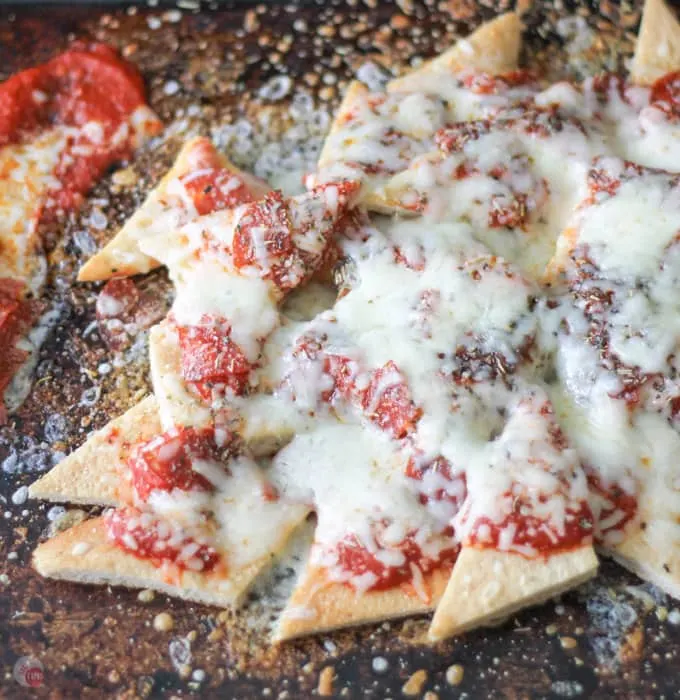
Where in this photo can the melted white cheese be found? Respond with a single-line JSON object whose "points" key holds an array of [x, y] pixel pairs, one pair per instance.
{"points": [[427, 291], [473, 300], [627, 234], [629, 240], [354, 478], [207, 289]]}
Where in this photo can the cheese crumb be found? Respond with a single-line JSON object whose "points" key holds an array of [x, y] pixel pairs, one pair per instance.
{"points": [[414, 685], [172, 87], [223, 617], [326, 678], [406, 6], [380, 664], [146, 596], [250, 22], [179, 649], [568, 642], [567, 689], [372, 75], [454, 674], [216, 634], [125, 177], [20, 495], [163, 622], [276, 88], [98, 220], [55, 513]]}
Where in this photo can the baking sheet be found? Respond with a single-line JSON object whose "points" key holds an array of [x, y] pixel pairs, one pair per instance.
{"points": [[238, 73]]}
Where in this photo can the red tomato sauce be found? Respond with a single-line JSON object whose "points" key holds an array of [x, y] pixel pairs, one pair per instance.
{"points": [[382, 394], [166, 461], [605, 84], [508, 212], [387, 401], [280, 256], [87, 83], [214, 189], [211, 360], [343, 372], [601, 181], [356, 559], [666, 94], [536, 533], [266, 239], [150, 538], [613, 499]]}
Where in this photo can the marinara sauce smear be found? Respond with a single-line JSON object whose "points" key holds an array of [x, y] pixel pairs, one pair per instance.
{"points": [[98, 99], [88, 88]]}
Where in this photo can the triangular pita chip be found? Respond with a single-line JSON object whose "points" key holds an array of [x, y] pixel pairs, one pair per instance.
{"points": [[656, 521], [161, 213], [659, 566], [355, 92], [84, 554], [372, 199], [318, 605], [492, 48], [486, 586], [95, 473], [658, 44]]}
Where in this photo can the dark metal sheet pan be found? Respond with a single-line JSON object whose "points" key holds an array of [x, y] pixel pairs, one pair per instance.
{"points": [[205, 67]]}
